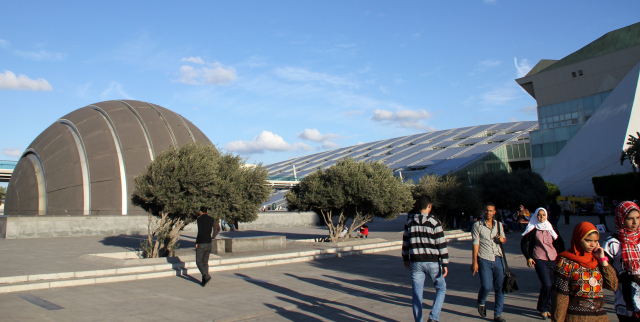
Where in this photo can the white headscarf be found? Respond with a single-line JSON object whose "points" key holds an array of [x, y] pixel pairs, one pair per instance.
{"points": [[534, 223]]}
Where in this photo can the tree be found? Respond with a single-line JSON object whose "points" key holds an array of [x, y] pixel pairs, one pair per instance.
{"points": [[553, 192], [179, 181], [3, 193], [351, 190], [511, 189], [448, 194], [632, 153]]}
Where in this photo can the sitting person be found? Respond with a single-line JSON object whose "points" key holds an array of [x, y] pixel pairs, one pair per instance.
{"points": [[364, 231]]}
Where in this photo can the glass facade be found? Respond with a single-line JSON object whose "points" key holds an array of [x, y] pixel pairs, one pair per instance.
{"points": [[494, 161], [518, 151], [572, 112], [558, 124]]}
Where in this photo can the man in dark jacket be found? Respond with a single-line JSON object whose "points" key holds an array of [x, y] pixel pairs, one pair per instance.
{"points": [[203, 244]]}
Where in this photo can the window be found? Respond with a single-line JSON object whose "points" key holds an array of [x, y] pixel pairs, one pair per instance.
{"points": [[573, 74], [580, 73]]}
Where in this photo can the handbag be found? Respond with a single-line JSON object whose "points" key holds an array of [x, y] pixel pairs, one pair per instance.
{"points": [[510, 279]]}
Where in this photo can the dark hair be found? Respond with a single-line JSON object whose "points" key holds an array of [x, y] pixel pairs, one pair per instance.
{"points": [[204, 209], [489, 204], [424, 202]]}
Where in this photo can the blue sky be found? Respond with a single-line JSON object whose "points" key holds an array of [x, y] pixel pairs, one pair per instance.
{"points": [[272, 80]]}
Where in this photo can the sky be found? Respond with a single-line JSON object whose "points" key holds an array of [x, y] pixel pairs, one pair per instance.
{"points": [[274, 80]]}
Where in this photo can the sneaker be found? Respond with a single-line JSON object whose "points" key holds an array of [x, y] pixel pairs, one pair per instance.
{"points": [[499, 319], [482, 310], [432, 320]]}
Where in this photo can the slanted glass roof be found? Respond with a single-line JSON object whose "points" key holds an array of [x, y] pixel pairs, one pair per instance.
{"points": [[445, 151]]}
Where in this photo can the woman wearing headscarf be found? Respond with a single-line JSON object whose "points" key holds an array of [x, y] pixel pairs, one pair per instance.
{"points": [[623, 251], [541, 245], [580, 275]]}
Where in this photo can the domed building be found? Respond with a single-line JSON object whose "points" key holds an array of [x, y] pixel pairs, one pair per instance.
{"points": [[83, 167]]}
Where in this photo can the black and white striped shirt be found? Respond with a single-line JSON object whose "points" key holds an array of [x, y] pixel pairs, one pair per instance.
{"points": [[423, 240]]}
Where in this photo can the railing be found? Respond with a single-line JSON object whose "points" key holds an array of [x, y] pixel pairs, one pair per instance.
{"points": [[9, 165]]}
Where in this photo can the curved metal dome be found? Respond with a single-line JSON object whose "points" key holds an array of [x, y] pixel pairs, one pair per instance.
{"points": [[85, 162]]}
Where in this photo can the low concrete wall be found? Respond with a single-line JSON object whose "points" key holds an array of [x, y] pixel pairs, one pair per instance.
{"points": [[283, 219], [261, 243], [12, 227]]}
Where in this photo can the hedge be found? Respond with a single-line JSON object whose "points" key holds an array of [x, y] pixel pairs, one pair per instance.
{"points": [[624, 186]]}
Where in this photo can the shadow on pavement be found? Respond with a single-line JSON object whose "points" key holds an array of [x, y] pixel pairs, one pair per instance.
{"points": [[322, 307]]}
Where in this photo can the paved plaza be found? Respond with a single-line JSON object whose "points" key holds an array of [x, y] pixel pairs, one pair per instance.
{"points": [[368, 287]]}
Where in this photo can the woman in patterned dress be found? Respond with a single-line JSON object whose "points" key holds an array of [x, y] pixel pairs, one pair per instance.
{"points": [[580, 275]]}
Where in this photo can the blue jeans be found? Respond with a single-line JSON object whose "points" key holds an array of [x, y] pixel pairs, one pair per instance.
{"points": [[491, 277], [419, 271], [544, 269]]}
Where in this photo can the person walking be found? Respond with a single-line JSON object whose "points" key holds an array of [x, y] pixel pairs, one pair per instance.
{"points": [[486, 259], [554, 212], [424, 252], [567, 209], [580, 275], [203, 244], [623, 250], [523, 218], [598, 209], [540, 246]]}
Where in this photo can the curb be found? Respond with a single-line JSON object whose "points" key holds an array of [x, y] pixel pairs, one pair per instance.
{"points": [[180, 269]]}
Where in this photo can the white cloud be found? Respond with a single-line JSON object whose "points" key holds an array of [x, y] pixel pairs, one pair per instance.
{"points": [[330, 145], [303, 75], [218, 75], [40, 55], [195, 60], [352, 113], [523, 67], [314, 135], [513, 119], [529, 109], [12, 152], [4, 43], [489, 63], [403, 118], [114, 91], [8, 80], [265, 141], [499, 96]]}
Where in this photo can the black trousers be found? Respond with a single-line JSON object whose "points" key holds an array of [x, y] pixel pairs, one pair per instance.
{"points": [[202, 259], [566, 216], [623, 318], [544, 269]]}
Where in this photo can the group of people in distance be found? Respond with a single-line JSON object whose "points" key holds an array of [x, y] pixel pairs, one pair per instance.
{"points": [[572, 280]]}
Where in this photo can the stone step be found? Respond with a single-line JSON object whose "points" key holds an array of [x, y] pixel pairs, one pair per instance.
{"points": [[67, 279]]}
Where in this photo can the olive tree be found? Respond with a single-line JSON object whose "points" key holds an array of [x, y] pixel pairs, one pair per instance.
{"points": [[448, 194], [3, 193], [179, 181], [511, 189], [351, 190]]}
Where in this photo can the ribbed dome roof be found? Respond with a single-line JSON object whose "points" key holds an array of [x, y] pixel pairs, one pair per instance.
{"points": [[85, 162]]}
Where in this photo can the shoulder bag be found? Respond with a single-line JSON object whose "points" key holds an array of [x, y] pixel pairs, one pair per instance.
{"points": [[509, 284]]}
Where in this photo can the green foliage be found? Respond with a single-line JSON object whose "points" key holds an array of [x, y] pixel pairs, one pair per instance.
{"points": [[511, 189], [623, 186], [632, 153], [351, 190], [179, 181], [3, 194], [448, 194], [553, 192]]}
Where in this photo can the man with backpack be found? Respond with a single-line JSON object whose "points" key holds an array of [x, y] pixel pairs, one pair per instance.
{"points": [[424, 252]]}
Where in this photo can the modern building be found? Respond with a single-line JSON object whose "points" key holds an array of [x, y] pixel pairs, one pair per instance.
{"points": [[471, 150], [587, 107], [83, 167]]}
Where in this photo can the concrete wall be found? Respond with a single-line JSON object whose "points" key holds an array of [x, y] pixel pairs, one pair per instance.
{"points": [[283, 219], [12, 227]]}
